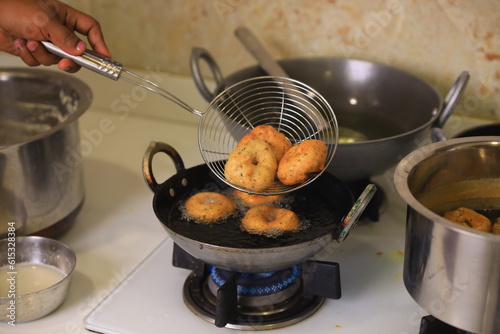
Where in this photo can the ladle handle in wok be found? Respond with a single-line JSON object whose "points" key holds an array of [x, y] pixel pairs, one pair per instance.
{"points": [[266, 61], [350, 221], [147, 162]]}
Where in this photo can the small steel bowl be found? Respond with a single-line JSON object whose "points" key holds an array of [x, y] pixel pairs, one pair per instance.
{"points": [[33, 250]]}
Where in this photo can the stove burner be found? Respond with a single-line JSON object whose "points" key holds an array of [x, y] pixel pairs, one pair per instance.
{"points": [[257, 283], [257, 301], [432, 325], [273, 311]]}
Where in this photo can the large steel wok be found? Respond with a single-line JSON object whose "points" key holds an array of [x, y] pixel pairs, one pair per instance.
{"points": [[393, 109], [322, 204]]}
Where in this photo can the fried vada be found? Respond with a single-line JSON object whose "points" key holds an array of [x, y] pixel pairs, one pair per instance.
{"points": [[209, 207], [252, 166], [270, 221], [301, 160], [278, 141]]}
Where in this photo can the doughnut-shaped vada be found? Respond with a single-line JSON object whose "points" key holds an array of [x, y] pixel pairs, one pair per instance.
{"points": [[209, 207], [278, 141], [251, 166], [270, 221], [302, 159], [469, 218], [254, 199]]}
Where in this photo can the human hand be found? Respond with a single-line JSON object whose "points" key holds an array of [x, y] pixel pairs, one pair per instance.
{"points": [[23, 23]]}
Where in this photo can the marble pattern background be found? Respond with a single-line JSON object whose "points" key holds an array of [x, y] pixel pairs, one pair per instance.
{"points": [[433, 39]]}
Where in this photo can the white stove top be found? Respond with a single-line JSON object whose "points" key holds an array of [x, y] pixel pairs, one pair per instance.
{"points": [[117, 231], [150, 301]]}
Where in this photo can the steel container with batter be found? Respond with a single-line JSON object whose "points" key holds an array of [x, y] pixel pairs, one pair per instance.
{"points": [[453, 271], [41, 176]]}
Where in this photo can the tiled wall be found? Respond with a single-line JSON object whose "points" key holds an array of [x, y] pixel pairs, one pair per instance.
{"points": [[434, 39]]}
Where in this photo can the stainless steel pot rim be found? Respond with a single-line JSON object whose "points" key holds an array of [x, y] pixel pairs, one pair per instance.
{"points": [[83, 103], [414, 158]]}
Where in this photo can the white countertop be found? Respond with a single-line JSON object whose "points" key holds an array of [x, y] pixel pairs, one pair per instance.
{"points": [[117, 229]]}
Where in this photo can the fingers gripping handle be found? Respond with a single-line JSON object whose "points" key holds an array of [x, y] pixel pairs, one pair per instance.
{"points": [[90, 60]]}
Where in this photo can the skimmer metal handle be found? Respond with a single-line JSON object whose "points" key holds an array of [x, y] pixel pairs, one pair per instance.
{"points": [[90, 60], [114, 70], [350, 221]]}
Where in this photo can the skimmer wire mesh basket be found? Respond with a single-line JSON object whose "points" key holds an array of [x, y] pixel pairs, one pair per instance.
{"points": [[290, 106]]}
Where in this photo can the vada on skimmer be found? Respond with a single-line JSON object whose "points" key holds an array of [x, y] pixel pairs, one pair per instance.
{"points": [[301, 160], [278, 141], [252, 166], [265, 154]]}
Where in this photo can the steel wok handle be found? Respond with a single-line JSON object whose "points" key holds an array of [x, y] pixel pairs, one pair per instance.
{"points": [[350, 221], [198, 54], [452, 98], [147, 162]]}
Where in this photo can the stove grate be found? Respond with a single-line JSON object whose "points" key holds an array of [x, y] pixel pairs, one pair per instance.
{"points": [[281, 298]]}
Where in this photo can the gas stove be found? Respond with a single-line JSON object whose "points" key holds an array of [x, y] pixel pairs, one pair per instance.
{"points": [[363, 292], [356, 288], [263, 300], [146, 303]]}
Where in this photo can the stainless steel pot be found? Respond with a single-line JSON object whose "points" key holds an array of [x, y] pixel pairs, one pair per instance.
{"points": [[393, 109], [451, 271], [41, 185]]}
